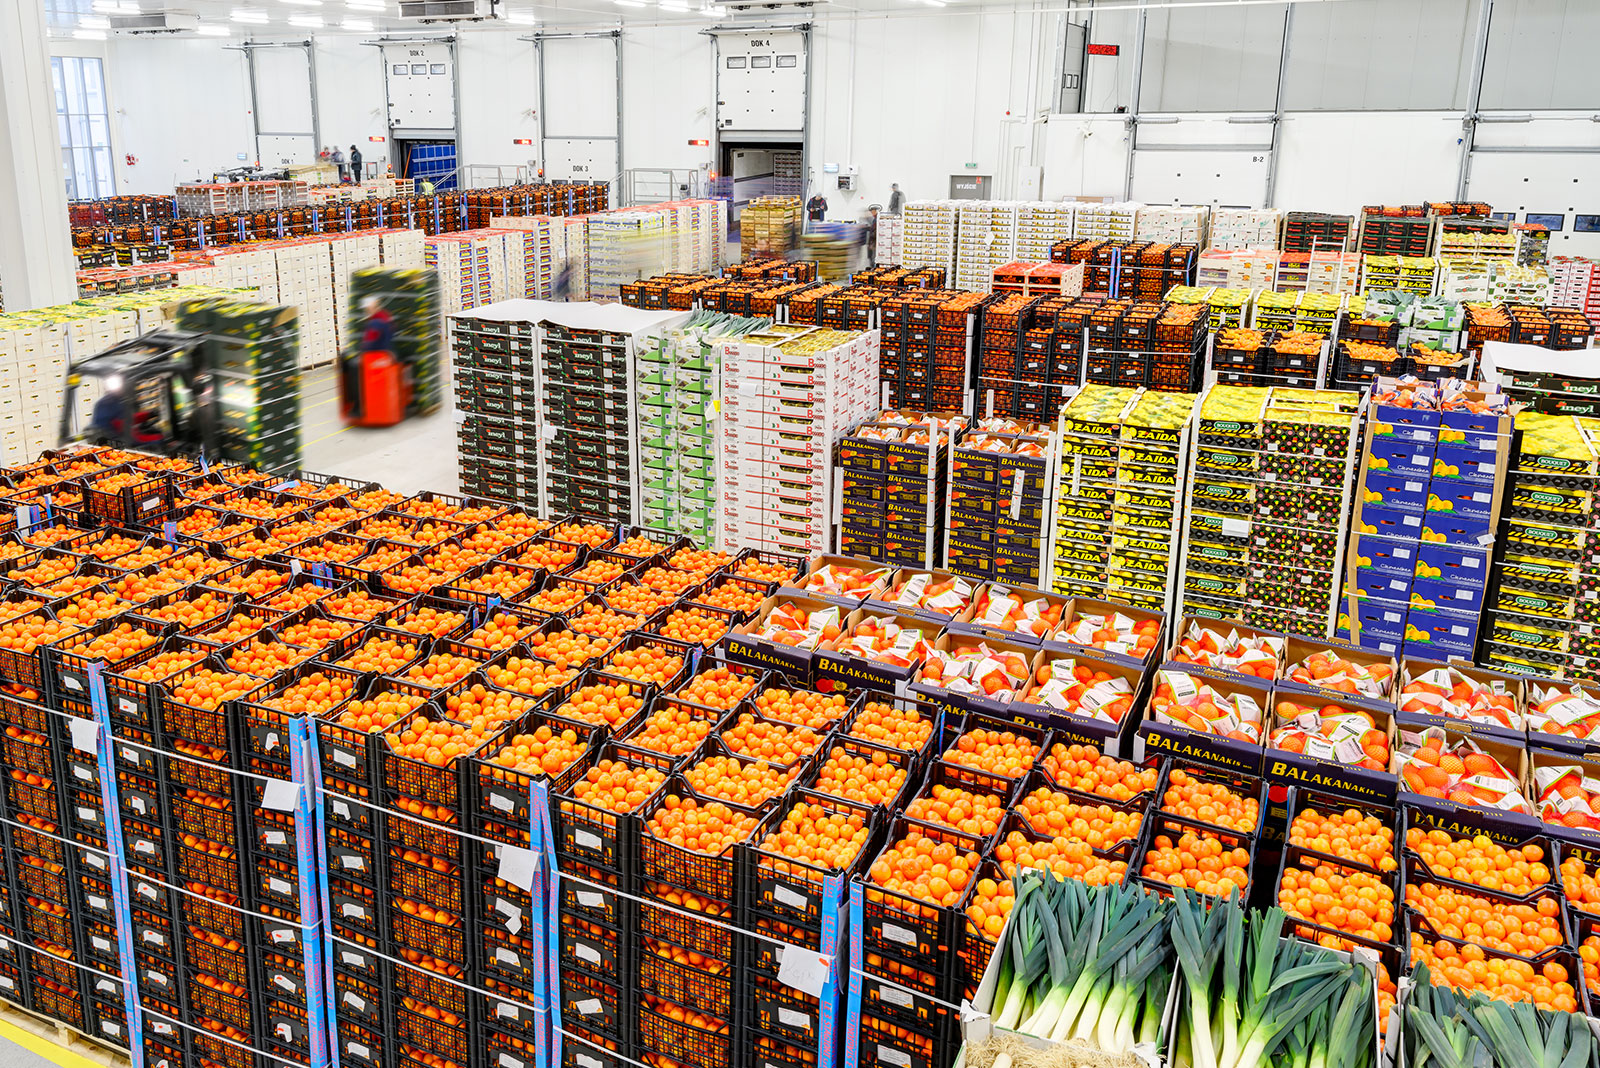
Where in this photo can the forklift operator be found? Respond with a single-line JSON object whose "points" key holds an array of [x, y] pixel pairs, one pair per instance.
{"points": [[377, 335], [111, 416]]}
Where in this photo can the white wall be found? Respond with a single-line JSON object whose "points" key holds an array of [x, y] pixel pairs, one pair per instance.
{"points": [[914, 96]]}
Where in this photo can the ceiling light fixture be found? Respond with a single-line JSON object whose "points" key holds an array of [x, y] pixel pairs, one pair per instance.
{"points": [[522, 18], [209, 30], [310, 22], [358, 25], [254, 17]]}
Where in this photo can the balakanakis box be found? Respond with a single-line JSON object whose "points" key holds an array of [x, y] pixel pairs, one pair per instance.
{"points": [[1422, 709], [1127, 678], [1330, 764], [839, 664], [746, 644], [1185, 742]]}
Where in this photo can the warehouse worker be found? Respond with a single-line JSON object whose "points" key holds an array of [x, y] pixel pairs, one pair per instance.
{"points": [[897, 199], [816, 208], [870, 236], [355, 164], [337, 159]]}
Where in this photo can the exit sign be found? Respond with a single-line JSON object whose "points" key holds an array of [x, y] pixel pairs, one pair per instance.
{"points": [[522, 140], [698, 141], [376, 140], [1104, 50]]}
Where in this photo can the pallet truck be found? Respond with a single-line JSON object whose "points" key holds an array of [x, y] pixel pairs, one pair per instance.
{"points": [[156, 396]]}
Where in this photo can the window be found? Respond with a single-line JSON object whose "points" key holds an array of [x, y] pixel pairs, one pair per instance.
{"points": [[83, 126], [1210, 58]]}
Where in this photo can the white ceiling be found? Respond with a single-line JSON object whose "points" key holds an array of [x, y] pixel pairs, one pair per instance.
{"points": [[88, 18]]}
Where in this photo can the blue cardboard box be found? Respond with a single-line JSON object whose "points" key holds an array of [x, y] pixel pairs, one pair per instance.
{"points": [[1395, 556], [1442, 593], [1398, 455], [1445, 632], [1475, 500], [1384, 584], [1480, 440], [1453, 563], [1464, 463], [1376, 519], [1451, 529], [1398, 490]]}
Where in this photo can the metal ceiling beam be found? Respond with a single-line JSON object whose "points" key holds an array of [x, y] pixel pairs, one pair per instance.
{"points": [[1277, 108], [1469, 121]]}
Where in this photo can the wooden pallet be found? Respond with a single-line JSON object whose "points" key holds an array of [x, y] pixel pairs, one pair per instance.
{"points": [[74, 1048]]}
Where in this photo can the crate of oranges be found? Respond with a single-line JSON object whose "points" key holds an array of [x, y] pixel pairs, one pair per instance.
{"points": [[717, 773], [420, 759], [764, 565], [598, 815], [133, 686], [1204, 832], [643, 543], [802, 858], [187, 609], [536, 747], [198, 705], [494, 581], [905, 724], [111, 642], [348, 732], [990, 748], [127, 495], [502, 626], [430, 616], [21, 640], [1342, 904], [741, 596], [689, 842], [915, 894], [694, 623], [309, 690]]}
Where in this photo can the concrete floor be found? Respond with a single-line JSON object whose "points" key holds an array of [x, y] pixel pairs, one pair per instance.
{"points": [[416, 455]]}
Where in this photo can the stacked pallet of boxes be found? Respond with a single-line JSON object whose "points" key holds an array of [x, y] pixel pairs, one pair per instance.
{"points": [[1575, 283], [1267, 505], [986, 238], [625, 246], [462, 265], [252, 351], [926, 338], [1426, 509], [789, 395], [1107, 222], [894, 477], [1174, 225], [890, 239], [575, 256], [930, 235], [769, 226], [679, 383], [1413, 274], [1403, 230], [496, 434], [542, 250], [411, 297], [1124, 457], [1237, 228], [351, 253], [1313, 231], [1000, 482], [306, 284], [1539, 612], [588, 409]]}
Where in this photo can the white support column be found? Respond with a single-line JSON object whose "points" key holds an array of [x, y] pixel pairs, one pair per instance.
{"points": [[37, 267]]}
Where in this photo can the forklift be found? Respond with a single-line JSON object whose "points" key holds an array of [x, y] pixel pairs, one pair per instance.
{"points": [[156, 396]]}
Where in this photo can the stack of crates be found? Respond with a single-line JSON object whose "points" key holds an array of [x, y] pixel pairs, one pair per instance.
{"points": [[923, 360], [998, 504], [1405, 230], [1006, 322], [1315, 231], [411, 296], [678, 376], [494, 384], [587, 409], [254, 351]]}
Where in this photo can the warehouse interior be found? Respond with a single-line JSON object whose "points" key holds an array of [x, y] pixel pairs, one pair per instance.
{"points": [[799, 533]]}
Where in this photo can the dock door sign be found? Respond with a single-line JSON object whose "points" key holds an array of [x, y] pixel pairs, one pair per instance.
{"points": [[971, 187]]}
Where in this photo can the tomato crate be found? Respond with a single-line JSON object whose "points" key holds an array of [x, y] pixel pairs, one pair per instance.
{"points": [[502, 794], [352, 855], [411, 929], [909, 929], [355, 905], [687, 1035], [791, 894], [441, 1034], [597, 1007], [892, 1043]]}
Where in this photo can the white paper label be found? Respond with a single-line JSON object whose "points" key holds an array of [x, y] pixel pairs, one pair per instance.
{"points": [[502, 802], [788, 897], [355, 1001], [351, 862], [895, 996], [280, 936], [586, 951], [275, 838], [890, 1055], [102, 944], [284, 981], [588, 1006], [506, 956], [504, 1009], [899, 934], [279, 886], [359, 1050], [347, 759], [790, 1018], [585, 840], [352, 910], [589, 899], [280, 795], [85, 734]]}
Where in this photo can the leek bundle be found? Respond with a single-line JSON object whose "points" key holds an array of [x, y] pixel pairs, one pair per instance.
{"points": [[1251, 998], [1089, 964], [1448, 1029]]}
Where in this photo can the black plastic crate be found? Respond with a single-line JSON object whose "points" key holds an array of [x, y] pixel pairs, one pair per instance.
{"points": [[410, 930], [436, 1035], [503, 794], [667, 971], [589, 834], [701, 1040]]}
